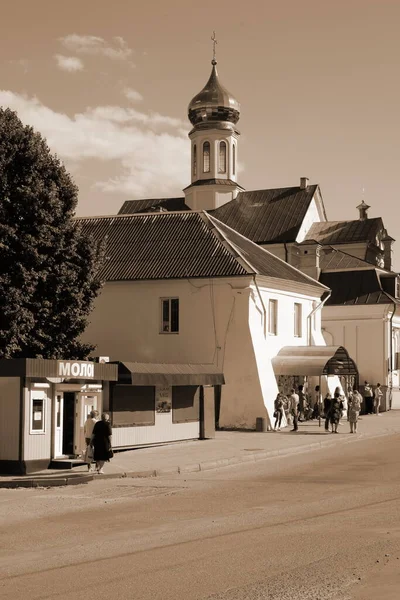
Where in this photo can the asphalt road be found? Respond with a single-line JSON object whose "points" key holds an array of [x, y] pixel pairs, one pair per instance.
{"points": [[322, 526]]}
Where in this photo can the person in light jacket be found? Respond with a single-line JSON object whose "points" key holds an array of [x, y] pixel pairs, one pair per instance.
{"points": [[90, 422], [354, 410], [377, 398]]}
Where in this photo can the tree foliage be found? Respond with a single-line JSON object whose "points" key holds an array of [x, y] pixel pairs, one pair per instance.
{"points": [[48, 270]]}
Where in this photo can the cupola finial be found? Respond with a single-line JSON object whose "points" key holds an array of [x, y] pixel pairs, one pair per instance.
{"points": [[214, 41]]}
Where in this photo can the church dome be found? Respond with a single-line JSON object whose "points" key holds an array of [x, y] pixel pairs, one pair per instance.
{"points": [[213, 104]]}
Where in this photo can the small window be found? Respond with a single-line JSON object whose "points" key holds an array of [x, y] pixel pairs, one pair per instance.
{"points": [[222, 158], [234, 159], [206, 157], [298, 319], [273, 317], [38, 416], [170, 315], [194, 161]]}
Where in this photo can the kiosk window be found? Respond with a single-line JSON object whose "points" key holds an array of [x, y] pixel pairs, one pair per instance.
{"points": [[133, 405], [185, 403], [38, 414]]}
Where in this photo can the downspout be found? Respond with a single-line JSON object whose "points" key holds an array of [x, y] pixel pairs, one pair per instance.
{"points": [[286, 252], [262, 304], [391, 355], [312, 313]]}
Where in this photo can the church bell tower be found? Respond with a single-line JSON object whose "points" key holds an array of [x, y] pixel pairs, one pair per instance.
{"points": [[213, 112]]}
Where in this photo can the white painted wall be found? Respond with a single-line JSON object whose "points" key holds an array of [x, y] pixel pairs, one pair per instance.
{"points": [[312, 216], [36, 445]]}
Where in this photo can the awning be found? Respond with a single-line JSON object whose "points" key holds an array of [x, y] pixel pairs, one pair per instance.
{"points": [[168, 374], [314, 360]]}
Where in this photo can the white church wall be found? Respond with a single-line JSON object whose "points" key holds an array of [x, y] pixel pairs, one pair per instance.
{"points": [[312, 216]]}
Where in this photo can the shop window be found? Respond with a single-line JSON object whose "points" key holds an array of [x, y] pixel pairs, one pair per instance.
{"points": [[194, 161], [298, 319], [169, 315], [273, 317], [222, 158], [132, 405], [185, 403], [38, 412], [206, 157]]}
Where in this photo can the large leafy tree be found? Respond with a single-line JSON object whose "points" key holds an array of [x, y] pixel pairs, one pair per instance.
{"points": [[48, 270]]}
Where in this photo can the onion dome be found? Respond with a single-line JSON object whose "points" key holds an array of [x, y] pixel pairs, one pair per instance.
{"points": [[213, 104]]}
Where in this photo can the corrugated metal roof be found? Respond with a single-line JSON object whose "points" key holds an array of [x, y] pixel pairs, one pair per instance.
{"points": [[313, 361], [130, 207], [266, 216], [214, 182], [345, 232], [262, 262], [160, 246], [354, 287], [170, 374]]}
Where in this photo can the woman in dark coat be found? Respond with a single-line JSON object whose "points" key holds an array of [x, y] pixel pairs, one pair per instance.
{"points": [[101, 442], [336, 411]]}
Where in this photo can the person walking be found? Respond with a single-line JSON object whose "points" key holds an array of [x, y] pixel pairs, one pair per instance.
{"points": [[368, 397], [317, 409], [377, 398], [327, 410], [294, 407], [278, 414], [90, 422], [336, 412], [101, 441], [354, 410], [302, 403]]}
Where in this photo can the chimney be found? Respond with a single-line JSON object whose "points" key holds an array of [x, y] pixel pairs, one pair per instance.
{"points": [[363, 208], [303, 183], [387, 242]]}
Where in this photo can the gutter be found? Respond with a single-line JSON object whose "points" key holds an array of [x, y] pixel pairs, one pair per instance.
{"points": [[391, 356], [312, 313], [262, 304]]}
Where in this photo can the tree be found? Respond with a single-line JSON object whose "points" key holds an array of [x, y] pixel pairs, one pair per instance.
{"points": [[48, 270]]}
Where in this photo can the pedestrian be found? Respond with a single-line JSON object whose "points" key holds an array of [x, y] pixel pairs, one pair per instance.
{"points": [[302, 403], [349, 400], [317, 403], [101, 440], [377, 398], [354, 410], [327, 410], [278, 414], [294, 407], [90, 422], [368, 397], [336, 411]]}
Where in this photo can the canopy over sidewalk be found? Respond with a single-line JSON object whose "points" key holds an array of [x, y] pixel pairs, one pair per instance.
{"points": [[314, 361]]}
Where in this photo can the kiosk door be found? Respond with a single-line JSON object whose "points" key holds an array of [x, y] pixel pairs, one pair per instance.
{"points": [[58, 424], [86, 402]]}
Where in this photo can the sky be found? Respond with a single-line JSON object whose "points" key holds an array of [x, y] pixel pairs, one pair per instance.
{"points": [[108, 84]]}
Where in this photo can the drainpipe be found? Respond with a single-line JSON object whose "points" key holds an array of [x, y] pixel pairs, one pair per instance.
{"points": [[391, 356], [286, 252], [262, 304], [312, 313]]}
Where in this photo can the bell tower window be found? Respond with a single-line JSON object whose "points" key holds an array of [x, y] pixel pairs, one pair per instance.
{"points": [[222, 158], [194, 161], [234, 159], [206, 157]]}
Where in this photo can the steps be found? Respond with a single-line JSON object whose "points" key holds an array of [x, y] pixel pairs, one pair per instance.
{"points": [[66, 463]]}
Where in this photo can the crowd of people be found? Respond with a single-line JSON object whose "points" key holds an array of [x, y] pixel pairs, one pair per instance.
{"points": [[298, 406]]}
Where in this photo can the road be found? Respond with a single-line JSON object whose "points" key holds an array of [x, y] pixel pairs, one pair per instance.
{"points": [[322, 526]]}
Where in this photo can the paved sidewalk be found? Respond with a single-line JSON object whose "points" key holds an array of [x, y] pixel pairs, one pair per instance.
{"points": [[227, 448]]}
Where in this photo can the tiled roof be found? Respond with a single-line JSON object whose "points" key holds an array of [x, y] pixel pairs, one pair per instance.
{"points": [[180, 245], [336, 260], [266, 216], [345, 232], [354, 287], [131, 207]]}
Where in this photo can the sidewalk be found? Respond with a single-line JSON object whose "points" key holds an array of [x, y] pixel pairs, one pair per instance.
{"points": [[227, 448]]}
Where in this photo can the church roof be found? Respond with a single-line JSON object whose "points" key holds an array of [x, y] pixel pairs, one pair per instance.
{"points": [[345, 232], [267, 216], [174, 245], [355, 287], [332, 259], [130, 207]]}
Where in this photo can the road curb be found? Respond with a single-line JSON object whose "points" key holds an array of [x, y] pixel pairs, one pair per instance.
{"points": [[208, 465]]}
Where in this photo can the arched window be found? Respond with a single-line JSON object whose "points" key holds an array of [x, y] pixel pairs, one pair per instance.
{"points": [[222, 158], [194, 161], [234, 159], [206, 157]]}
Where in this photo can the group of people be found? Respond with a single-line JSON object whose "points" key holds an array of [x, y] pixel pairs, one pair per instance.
{"points": [[297, 406], [98, 438]]}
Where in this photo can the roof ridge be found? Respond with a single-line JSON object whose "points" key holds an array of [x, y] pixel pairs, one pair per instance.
{"points": [[143, 215]]}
